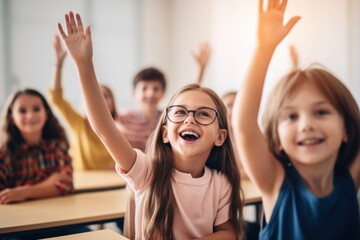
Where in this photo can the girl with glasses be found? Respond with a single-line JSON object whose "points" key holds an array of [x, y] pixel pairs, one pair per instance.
{"points": [[187, 186]]}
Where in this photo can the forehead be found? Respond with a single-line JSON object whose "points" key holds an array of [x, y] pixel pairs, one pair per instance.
{"points": [[27, 100], [194, 99], [305, 93], [149, 83]]}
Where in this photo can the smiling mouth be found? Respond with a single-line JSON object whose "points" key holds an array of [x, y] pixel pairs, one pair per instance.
{"points": [[189, 135], [310, 142]]}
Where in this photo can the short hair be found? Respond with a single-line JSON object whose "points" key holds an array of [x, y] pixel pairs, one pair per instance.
{"points": [[150, 74], [332, 89]]}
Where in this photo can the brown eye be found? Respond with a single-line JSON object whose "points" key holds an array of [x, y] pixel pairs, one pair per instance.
{"points": [[36, 109], [22, 110]]}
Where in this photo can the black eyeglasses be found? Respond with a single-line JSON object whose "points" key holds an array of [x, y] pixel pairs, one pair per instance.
{"points": [[204, 115]]}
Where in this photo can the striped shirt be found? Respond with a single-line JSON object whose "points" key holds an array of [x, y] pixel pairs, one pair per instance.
{"points": [[35, 164], [136, 127]]}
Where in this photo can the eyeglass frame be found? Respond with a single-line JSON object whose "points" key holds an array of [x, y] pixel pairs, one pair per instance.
{"points": [[194, 114]]}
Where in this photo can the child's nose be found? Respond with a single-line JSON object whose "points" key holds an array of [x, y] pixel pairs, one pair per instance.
{"points": [[307, 123], [190, 118]]}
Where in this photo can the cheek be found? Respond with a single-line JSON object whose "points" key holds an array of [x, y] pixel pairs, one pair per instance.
{"points": [[283, 133]]}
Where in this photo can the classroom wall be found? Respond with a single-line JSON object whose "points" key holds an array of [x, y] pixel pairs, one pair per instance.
{"points": [[2, 55], [130, 34]]}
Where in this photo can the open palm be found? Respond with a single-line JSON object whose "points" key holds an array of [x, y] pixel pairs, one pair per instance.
{"points": [[77, 42], [271, 29]]}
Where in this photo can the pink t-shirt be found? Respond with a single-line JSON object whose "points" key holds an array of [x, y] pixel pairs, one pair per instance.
{"points": [[201, 203]]}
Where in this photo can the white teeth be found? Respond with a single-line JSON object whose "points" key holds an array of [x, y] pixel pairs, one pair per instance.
{"points": [[189, 133], [310, 141]]}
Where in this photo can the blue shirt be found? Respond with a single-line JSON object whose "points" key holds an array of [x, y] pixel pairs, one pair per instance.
{"points": [[299, 214]]}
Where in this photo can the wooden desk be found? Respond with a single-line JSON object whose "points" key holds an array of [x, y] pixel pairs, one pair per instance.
{"points": [[84, 208], [251, 193], [93, 235], [89, 181]]}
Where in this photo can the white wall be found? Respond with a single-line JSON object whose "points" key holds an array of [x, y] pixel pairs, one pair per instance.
{"points": [[131, 34], [115, 28], [2, 55]]}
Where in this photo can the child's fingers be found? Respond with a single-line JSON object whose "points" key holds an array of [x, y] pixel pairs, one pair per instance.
{"points": [[68, 25], [283, 5], [61, 31], [261, 6], [271, 4], [291, 23], [80, 24], [88, 34], [73, 23]]}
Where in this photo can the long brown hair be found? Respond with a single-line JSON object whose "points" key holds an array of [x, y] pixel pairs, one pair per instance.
{"points": [[10, 136], [159, 203], [336, 93]]}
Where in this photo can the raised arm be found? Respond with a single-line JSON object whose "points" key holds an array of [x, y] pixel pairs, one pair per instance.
{"points": [[79, 45], [60, 53], [260, 165], [202, 58]]}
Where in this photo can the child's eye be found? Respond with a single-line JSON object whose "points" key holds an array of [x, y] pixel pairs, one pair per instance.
{"points": [[37, 109], [321, 112], [203, 113], [180, 112], [22, 110], [291, 117]]}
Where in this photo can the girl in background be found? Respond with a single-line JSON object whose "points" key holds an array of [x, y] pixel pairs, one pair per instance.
{"points": [[188, 185], [306, 162], [34, 159], [87, 151]]}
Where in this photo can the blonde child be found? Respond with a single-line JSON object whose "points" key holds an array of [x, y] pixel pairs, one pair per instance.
{"points": [[306, 161], [182, 186], [34, 159]]}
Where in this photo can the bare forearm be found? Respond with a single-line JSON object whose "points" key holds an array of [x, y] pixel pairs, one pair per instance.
{"points": [[96, 108], [57, 77], [40, 191], [199, 79], [247, 102]]}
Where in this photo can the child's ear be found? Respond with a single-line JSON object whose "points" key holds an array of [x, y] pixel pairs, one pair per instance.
{"points": [[221, 137], [165, 134]]}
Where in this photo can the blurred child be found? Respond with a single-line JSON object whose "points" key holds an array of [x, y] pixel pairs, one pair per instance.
{"points": [[87, 151], [228, 99], [149, 86], [190, 162], [306, 161], [34, 159]]}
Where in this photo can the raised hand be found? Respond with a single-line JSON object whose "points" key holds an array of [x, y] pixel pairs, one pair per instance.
{"points": [[78, 42], [59, 51], [271, 29], [203, 55]]}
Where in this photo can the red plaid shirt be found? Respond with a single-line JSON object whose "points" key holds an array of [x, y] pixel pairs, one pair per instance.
{"points": [[35, 164]]}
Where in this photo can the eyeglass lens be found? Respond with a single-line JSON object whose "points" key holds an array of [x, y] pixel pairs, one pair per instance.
{"points": [[204, 115]]}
